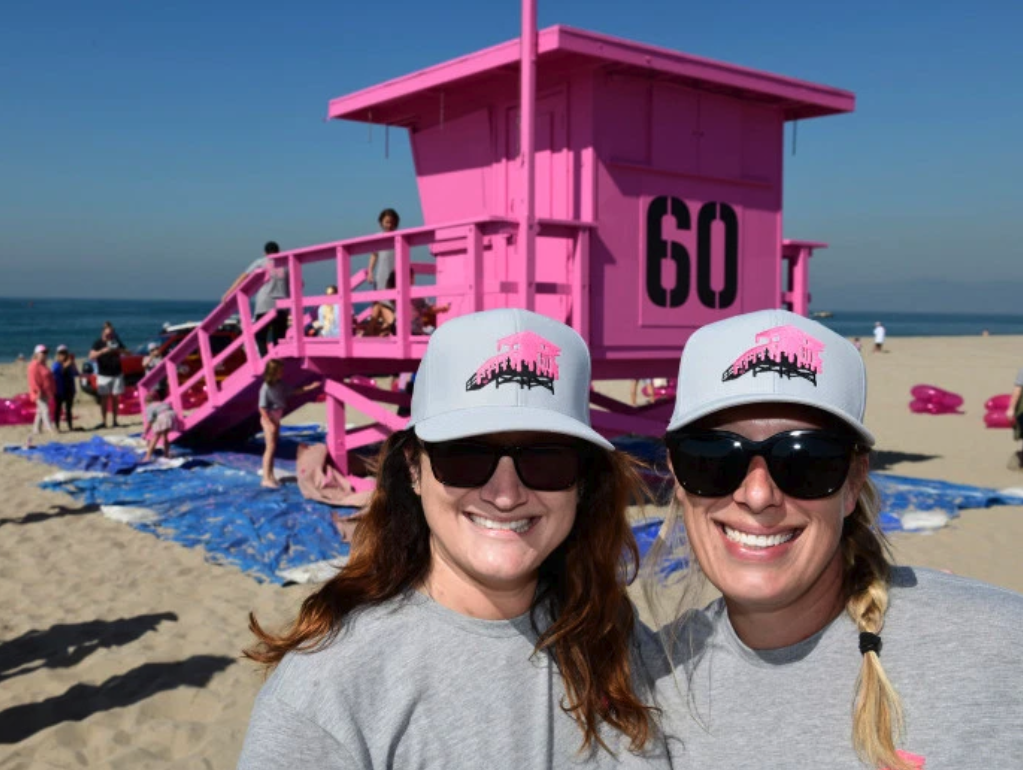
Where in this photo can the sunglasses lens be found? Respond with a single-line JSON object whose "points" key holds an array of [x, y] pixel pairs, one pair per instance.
{"points": [[462, 463], [708, 465], [810, 466], [548, 468], [467, 464]]}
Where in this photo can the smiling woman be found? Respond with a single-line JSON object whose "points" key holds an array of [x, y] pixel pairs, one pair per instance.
{"points": [[482, 620], [820, 653]]}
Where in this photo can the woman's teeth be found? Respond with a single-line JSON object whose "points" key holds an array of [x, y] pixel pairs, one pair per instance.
{"points": [[757, 541], [519, 525]]}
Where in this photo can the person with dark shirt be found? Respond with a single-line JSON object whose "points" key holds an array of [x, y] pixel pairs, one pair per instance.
{"points": [[64, 375], [106, 354]]}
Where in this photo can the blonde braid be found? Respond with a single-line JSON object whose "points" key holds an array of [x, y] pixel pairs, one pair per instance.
{"points": [[877, 713]]}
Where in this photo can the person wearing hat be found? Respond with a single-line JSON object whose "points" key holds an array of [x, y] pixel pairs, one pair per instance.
{"points": [[482, 619], [64, 375], [41, 389], [152, 358], [820, 653]]}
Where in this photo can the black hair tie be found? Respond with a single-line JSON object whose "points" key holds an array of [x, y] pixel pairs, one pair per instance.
{"points": [[869, 643]]}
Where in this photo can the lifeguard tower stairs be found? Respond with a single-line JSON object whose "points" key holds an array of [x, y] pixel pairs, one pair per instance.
{"points": [[636, 195]]}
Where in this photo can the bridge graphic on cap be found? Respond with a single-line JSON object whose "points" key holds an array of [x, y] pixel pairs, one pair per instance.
{"points": [[789, 351], [525, 358]]}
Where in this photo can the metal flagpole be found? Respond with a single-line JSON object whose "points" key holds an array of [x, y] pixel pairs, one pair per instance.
{"points": [[527, 142]]}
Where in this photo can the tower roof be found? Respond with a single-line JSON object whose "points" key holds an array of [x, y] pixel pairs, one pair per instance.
{"points": [[467, 79]]}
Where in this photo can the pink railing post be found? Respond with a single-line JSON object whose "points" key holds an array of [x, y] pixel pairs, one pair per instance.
{"points": [[251, 351], [209, 373], [799, 281], [344, 291], [402, 304], [174, 387], [527, 141], [142, 391], [336, 432], [297, 307]]}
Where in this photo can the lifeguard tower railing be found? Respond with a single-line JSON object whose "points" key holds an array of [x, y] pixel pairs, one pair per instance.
{"points": [[216, 404]]}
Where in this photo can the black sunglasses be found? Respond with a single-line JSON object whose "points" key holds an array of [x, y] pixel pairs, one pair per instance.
{"points": [[805, 464], [469, 464]]}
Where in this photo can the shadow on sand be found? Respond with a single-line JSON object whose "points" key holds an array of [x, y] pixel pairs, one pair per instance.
{"points": [[883, 460], [83, 700], [55, 512], [66, 645]]}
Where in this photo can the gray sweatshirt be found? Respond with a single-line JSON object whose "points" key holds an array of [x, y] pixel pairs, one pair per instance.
{"points": [[410, 684], [952, 647]]}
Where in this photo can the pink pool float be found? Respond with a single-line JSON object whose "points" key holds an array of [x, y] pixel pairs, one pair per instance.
{"points": [[929, 399], [17, 410], [995, 416]]}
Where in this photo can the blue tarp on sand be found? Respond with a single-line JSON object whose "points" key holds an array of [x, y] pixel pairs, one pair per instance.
{"points": [[236, 521], [95, 455], [902, 494], [215, 501]]}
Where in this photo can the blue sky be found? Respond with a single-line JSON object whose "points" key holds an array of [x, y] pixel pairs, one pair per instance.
{"points": [[148, 151]]}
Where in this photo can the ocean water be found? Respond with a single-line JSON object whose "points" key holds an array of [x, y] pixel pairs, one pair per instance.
{"points": [[901, 324], [77, 322]]}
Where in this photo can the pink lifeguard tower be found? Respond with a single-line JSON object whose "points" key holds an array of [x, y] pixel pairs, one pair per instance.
{"points": [[632, 192]]}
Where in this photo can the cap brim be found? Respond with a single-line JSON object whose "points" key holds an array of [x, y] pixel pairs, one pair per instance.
{"points": [[479, 421], [770, 398]]}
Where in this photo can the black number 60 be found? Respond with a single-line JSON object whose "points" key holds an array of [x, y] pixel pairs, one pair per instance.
{"points": [[658, 249]]}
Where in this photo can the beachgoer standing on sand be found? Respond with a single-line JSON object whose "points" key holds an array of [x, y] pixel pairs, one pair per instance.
{"points": [[879, 335], [41, 389], [116, 337], [65, 373], [1015, 413], [482, 620], [273, 401], [106, 353], [639, 387], [277, 286], [821, 653]]}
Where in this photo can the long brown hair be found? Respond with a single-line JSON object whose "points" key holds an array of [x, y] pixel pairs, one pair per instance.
{"points": [[273, 371], [583, 586]]}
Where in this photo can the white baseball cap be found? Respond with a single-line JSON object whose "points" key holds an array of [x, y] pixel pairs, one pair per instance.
{"points": [[770, 356], [503, 370], [40, 349]]}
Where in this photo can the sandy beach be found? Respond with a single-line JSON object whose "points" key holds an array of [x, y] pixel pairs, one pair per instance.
{"points": [[120, 650]]}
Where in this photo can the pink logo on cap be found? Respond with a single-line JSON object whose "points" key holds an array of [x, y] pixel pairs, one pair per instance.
{"points": [[789, 351], [525, 358]]}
